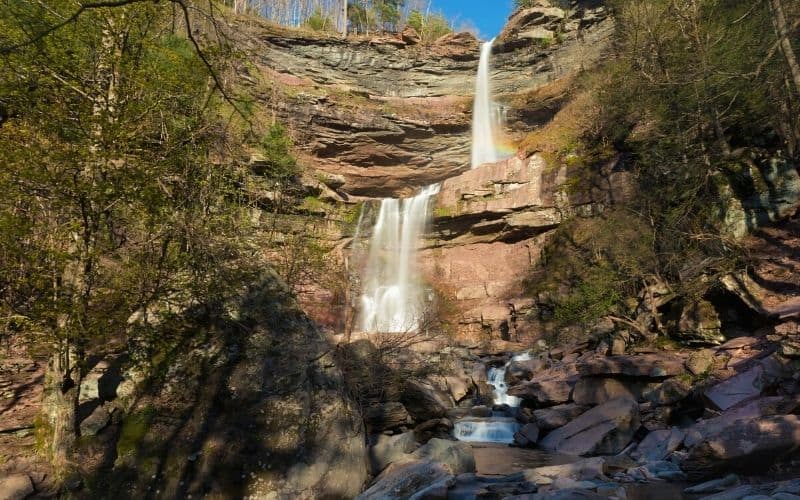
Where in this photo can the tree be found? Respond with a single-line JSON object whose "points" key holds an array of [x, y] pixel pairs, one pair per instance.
{"points": [[782, 30], [121, 197]]}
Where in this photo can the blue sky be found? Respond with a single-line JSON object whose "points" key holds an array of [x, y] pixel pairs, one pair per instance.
{"points": [[488, 16]]}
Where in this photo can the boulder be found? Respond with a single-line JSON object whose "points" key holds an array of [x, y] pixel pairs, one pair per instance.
{"points": [[456, 455], [386, 450], [15, 487], [401, 481], [410, 36], [604, 430], [700, 362], [747, 445], [386, 416], [521, 371], [715, 485], [747, 385], [438, 427], [762, 407], [652, 365], [459, 387], [657, 445], [480, 411], [528, 435], [558, 416], [96, 421], [669, 392], [424, 401], [580, 470], [544, 393], [593, 391], [699, 324]]}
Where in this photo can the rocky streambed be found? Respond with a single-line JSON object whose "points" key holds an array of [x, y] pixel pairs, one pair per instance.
{"points": [[594, 421]]}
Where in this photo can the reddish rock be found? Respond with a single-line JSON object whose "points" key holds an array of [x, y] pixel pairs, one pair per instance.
{"points": [[657, 445], [747, 445], [410, 36], [544, 393], [647, 365], [558, 416], [528, 435], [592, 391], [604, 430]]}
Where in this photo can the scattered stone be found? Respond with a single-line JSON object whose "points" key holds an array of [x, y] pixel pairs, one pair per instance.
{"points": [[410, 36], [700, 362], [656, 365], [456, 455], [715, 485], [604, 430], [699, 323], [746, 385], [386, 416], [15, 487], [746, 444], [528, 435], [670, 392], [386, 450], [404, 480], [558, 416], [659, 444]]}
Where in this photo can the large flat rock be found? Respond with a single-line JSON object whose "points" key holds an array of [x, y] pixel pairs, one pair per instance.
{"points": [[604, 430]]}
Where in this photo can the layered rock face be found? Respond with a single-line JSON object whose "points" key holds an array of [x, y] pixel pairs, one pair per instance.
{"points": [[392, 116], [490, 226]]}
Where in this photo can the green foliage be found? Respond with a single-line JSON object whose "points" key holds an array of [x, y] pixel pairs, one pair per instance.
{"points": [[430, 27], [318, 21], [279, 164]]}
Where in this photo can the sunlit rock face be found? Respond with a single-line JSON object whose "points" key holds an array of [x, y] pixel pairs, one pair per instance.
{"points": [[393, 118], [489, 227]]}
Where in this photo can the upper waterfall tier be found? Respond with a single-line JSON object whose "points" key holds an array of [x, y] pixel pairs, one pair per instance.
{"points": [[484, 118]]}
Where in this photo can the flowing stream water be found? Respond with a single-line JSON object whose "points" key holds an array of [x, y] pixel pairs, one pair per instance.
{"points": [[393, 299], [500, 427], [484, 127]]}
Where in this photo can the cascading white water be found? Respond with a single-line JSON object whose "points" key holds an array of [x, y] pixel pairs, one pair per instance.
{"points": [[484, 149], [497, 379], [393, 296], [495, 429]]}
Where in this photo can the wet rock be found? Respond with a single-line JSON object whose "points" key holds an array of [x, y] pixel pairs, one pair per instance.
{"points": [[438, 427], [747, 444], [604, 430], [658, 445], [386, 416], [456, 455], [520, 371], [592, 391], [404, 480], [700, 362], [738, 493], [480, 411], [424, 401], [654, 365], [790, 487], [558, 416], [15, 487], [528, 435], [386, 450]]}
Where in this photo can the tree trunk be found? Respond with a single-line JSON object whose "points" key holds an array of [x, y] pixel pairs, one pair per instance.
{"points": [[62, 388], [782, 29], [344, 18]]}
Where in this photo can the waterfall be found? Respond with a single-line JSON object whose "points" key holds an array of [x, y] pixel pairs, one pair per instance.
{"points": [[484, 149], [393, 299], [497, 379]]}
